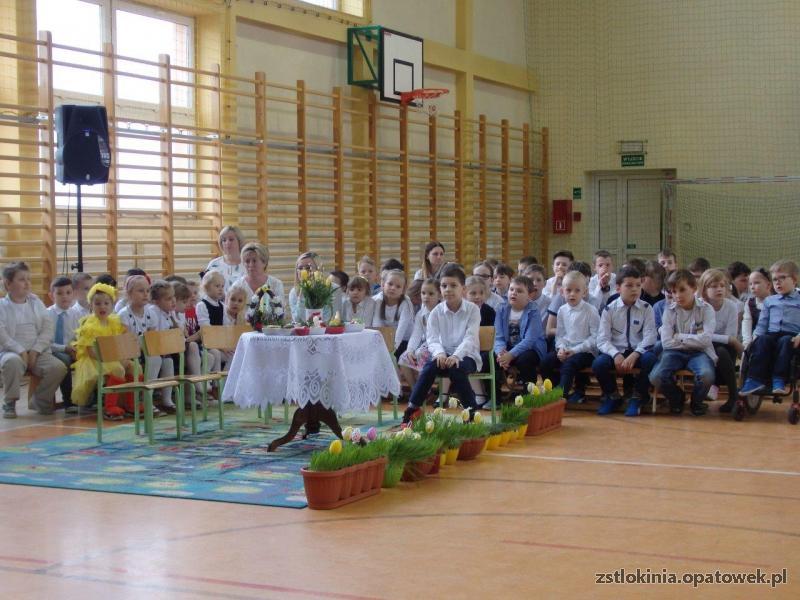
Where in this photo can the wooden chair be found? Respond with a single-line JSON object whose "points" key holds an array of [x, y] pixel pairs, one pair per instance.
{"points": [[486, 335], [125, 347], [223, 338], [388, 339], [168, 342]]}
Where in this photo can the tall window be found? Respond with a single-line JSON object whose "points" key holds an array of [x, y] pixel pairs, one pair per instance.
{"points": [[141, 36], [351, 7]]}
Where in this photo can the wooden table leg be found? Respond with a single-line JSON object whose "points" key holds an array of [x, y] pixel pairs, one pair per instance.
{"points": [[311, 413]]}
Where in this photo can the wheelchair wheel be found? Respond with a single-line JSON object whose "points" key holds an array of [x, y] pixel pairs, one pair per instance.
{"points": [[793, 415], [753, 403], [738, 411]]}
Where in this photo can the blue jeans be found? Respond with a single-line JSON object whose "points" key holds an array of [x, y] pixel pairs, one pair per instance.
{"points": [[459, 382], [604, 371], [771, 356], [567, 369], [66, 383], [663, 375]]}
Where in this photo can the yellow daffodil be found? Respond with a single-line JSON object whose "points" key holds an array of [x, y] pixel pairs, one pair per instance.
{"points": [[548, 385], [478, 418], [303, 275], [519, 400], [335, 447], [429, 426]]}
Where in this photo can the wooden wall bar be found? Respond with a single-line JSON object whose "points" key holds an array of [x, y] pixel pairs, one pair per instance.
{"points": [[297, 168]]}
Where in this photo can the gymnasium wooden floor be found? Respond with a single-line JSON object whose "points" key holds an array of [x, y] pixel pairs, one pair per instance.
{"points": [[538, 518]]}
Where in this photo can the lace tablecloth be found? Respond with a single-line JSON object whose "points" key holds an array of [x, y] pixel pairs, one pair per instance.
{"points": [[348, 372]]}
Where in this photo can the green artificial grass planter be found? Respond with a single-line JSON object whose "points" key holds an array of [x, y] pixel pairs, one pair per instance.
{"points": [[546, 405]]}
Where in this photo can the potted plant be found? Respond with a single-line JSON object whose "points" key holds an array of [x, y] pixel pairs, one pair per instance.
{"points": [[546, 405], [345, 472], [516, 416], [448, 431], [317, 293], [473, 437], [427, 429], [495, 435], [407, 446]]}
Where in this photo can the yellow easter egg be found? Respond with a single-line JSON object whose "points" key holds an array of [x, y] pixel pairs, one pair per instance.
{"points": [[335, 447]]}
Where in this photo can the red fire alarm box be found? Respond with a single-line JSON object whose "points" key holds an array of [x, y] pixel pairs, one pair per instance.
{"points": [[562, 216]]}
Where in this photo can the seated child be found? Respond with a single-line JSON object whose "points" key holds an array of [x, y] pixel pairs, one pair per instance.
{"points": [[26, 332], [414, 294], [417, 355], [339, 281], [123, 298], [625, 337], [65, 320], [393, 309], [358, 303], [714, 286], [739, 274], [133, 316], [542, 301], [486, 272], [81, 282], [561, 262], [777, 335], [161, 315], [102, 322], [236, 305], [686, 334], [760, 290], [699, 266], [391, 264], [210, 310], [603, 281], [556, 302], [367, 269], [477, 291], [669, 260], [576, 336], [501, 279], [525, 262], [653, 283], [453, 342], [192, 353], [518, 335]]}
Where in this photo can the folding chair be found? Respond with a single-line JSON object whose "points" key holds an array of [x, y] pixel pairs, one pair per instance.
{"points": [[121, 348], [165, 343], [223, 338], [486, 335], [388, 339]]}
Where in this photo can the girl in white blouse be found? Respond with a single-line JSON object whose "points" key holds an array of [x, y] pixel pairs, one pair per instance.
{"points": [[393, 309], [417, 355]]}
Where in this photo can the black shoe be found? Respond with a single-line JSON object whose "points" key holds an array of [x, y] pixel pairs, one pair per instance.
{"points": [[698, 409], [727, 407], [409, 414]]}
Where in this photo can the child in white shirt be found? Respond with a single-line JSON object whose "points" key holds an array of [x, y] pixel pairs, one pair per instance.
{"points": [[561, 262], [26, 332], [453, 341], [417, 354], [576, 336], [161, 314], [542, 301], [81, 282], [210, 310], [65, 321], [393, 309], [604, 279], [358, 304]]}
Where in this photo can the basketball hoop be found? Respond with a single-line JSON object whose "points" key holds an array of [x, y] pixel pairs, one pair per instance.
{"points": [[421, 95]]}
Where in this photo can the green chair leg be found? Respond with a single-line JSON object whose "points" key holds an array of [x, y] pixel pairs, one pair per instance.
{"points": [[192, 398], [259, 413], [99, 415], [179, 412], [204, 399], [269, 412], [394, 407], [136, 418], [221, 404], [148, 415]]}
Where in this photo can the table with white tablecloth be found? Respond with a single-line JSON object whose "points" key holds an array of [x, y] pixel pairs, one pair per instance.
{"points": [[335, 373]]}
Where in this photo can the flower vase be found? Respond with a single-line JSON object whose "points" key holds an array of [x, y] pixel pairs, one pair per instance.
{"points": [[311, 313]]}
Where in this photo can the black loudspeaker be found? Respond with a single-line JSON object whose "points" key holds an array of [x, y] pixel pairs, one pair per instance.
{"points": [[82, 155]]}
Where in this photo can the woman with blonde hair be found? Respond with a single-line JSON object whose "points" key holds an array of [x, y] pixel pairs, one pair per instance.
{"points": [[230, 241], [255, 258]]}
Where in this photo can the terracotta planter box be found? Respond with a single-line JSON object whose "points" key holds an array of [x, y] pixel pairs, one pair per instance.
{"points": [[547, 418], [331, 489], [417, 471], [437, 463], [470, 449]]}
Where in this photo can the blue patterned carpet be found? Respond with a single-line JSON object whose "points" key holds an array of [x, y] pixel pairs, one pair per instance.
{"points": [[227, 466]]}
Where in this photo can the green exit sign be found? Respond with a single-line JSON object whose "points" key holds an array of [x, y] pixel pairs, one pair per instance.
{"points": [[633, 160], [577, 193]]}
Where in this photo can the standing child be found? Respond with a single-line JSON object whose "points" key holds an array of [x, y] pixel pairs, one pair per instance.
{"points": [[453, 341], [417, 355], [477, 292], [518, 335], [26, 332], [81, 282], [102, 322], [65, 320], [161, 314], [686, 332], [625, 337], [576, 336], [760, 290], [502, 279], [603, 280], [394, 309], [367, 269], [777, 336], [669, 260], [210, 310], [359, 303], [714, 286], [561, 262]]}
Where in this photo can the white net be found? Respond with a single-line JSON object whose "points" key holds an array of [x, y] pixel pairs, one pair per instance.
{"points": [[755, 221]]}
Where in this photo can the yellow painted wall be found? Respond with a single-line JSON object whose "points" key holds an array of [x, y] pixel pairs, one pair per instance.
{"points": [[711, 85]]}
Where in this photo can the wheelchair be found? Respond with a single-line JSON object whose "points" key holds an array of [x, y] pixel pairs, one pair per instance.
{"points": [[750, 404]]}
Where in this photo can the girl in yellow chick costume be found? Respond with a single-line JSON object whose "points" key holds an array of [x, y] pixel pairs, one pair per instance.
{"points": [[102, 322]]}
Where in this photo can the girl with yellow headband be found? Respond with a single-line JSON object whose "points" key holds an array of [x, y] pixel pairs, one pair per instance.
{"points": [[101, 322]]}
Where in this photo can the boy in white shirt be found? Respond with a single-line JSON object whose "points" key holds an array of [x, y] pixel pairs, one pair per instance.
{"points": [[81, 282], [576, 336], [561, 262], [26, 332], [625, 340], [453, 342], [65, 321], [604, 279]]}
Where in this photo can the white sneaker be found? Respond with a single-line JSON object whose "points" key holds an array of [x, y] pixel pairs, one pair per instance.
{"points": [[713, 392]]}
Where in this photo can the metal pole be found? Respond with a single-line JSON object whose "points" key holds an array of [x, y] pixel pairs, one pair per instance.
{"points": [[79, 265]]}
